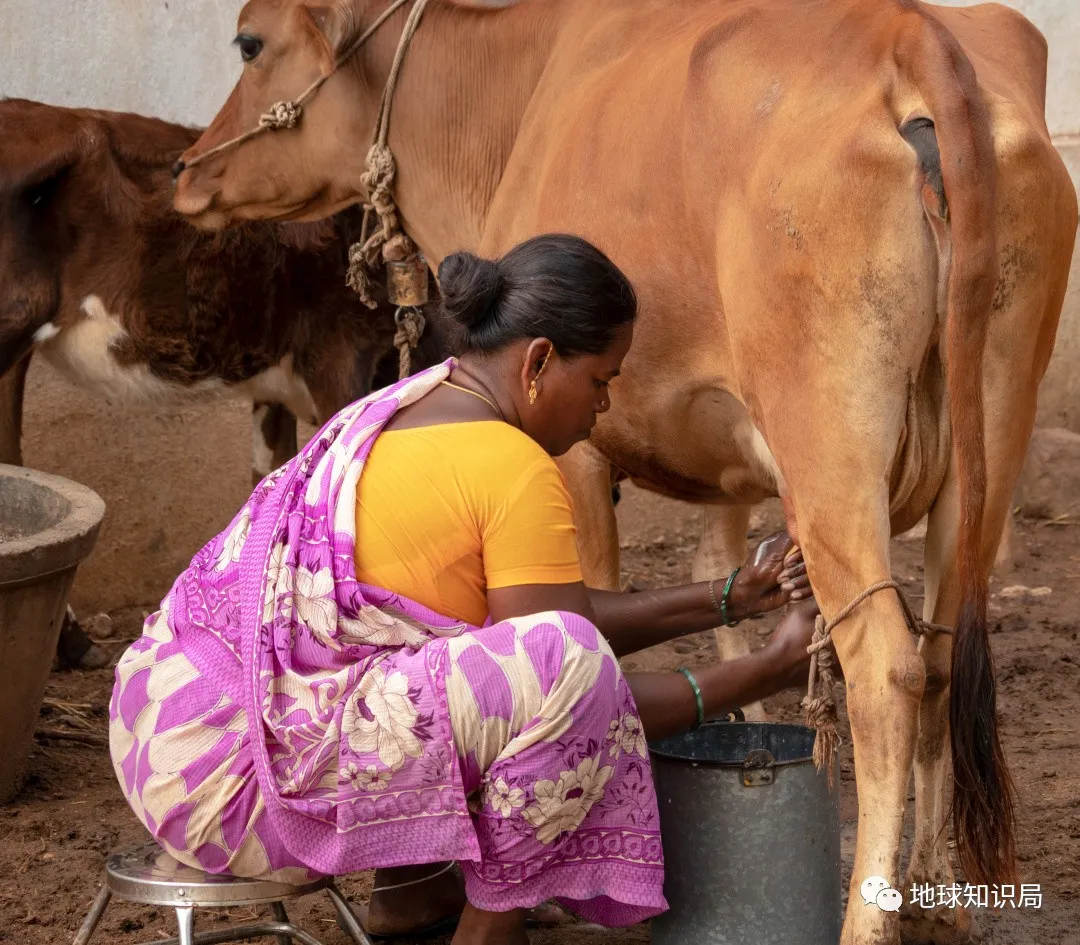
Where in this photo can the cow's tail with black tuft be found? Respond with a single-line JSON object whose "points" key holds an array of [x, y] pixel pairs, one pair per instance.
{"points": [[982, 801]]}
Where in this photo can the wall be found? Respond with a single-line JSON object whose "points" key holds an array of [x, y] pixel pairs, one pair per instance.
{"points": [[172, 478], [169, 58]]}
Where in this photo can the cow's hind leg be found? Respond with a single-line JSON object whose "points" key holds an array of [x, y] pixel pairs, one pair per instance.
{"points": [[843, 524], [722, 549], [830, 315]]}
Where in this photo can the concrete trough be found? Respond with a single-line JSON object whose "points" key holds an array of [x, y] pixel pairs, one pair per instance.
{"points": [[47, 526]]}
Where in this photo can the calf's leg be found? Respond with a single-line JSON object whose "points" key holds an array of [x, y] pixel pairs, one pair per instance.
{"points": [[273, 439]]}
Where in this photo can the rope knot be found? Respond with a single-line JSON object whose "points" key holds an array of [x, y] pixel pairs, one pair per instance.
{"points": [[280, 115], [410, 326], [358, 278], [386, 240], [820, 702]]}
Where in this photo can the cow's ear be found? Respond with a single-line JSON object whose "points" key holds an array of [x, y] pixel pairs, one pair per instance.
{"points": [[333, 21]]}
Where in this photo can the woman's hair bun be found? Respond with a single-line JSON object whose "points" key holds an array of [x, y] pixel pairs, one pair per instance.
{"points": [[470, 288]]}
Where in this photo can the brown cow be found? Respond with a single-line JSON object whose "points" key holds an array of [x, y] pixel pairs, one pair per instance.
{"points": [[100, 276], [850, 235]]}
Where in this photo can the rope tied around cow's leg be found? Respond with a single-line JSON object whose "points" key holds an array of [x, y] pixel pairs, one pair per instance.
{"points": [[820, 700], [410, 326]]}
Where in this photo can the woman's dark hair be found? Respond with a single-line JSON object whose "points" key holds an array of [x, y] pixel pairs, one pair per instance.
{"points": [[555, 286]]}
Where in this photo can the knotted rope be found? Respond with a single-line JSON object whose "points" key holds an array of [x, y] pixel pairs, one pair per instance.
{"points": [[410, 326], [820, 701], [388, 241]]}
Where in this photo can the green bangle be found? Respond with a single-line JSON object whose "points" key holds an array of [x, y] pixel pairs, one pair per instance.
{"points": [[697, 696], [723, 600]]}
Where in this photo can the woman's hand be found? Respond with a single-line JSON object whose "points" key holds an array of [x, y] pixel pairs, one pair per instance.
{"points": [[774, 574], [786, 648]]}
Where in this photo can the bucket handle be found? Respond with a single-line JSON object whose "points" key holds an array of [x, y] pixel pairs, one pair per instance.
{"points": [[732, 715]]}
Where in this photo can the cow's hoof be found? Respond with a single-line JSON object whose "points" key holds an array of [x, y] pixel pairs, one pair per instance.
{"points": [[937, 927]]}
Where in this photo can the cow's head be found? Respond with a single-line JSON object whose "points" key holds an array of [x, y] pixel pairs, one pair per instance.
{"points": [[296, 173], [68, 204]]}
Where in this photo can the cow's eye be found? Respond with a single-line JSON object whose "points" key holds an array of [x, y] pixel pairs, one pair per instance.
{"points": [[250, 46]]}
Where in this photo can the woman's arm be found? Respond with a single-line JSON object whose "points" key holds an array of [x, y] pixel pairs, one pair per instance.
{"points": [[632, 622], [666, 701]]}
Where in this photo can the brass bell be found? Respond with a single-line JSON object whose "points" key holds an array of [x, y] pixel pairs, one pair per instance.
{"points": [[407, 281]]}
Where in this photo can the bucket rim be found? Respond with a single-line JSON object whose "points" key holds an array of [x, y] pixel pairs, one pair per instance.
{"points": [[668, 756]]}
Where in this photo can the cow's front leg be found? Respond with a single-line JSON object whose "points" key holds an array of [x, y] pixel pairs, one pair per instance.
{"points": [[588, 479], [722, 548]]}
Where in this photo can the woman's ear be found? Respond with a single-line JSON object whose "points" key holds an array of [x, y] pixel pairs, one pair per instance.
{"points": [[537, 354]]}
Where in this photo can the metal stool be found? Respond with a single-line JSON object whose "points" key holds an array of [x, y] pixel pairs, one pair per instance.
{"points": [[149, 875]]}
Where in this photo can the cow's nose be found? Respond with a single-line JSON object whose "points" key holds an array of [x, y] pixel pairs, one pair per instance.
{"points": [[178, 169]]}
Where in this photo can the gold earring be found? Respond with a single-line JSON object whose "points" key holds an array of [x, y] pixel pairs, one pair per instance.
{"points": [[532, 386]]}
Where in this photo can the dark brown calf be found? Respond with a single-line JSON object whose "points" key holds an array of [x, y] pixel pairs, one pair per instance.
{"points": [[99, 275]]}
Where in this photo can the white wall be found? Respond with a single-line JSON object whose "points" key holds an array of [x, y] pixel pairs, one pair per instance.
{"points": [[169, 58]]}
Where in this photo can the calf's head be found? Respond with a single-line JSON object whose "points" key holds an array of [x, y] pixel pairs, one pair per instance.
{"points": [[43, 166], [294, 173], [68, 208]]}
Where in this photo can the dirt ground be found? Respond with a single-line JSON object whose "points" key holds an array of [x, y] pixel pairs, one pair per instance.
{"points": [[55, 835]]}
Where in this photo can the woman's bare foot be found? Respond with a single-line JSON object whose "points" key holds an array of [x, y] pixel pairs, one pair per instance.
{"points": [[490, 928], [425, 896]]}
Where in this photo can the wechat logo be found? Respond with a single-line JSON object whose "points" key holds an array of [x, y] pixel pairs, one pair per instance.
{"points": [[876, 891]]}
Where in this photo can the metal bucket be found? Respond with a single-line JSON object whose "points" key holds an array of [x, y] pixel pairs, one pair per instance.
{"points": [[751, 836]]}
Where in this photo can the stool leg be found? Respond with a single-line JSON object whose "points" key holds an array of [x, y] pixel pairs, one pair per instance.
{"points": [[347, 917], [281, 915], [93, 917], [185, 919]]}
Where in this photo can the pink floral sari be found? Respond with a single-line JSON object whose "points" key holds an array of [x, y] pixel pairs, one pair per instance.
{"points": [[278, 718]]}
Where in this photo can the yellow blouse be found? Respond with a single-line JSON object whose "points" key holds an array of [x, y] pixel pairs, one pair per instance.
{"points": [[444, 512]]}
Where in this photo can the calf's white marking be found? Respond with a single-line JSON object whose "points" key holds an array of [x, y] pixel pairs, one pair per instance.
{"points": [[85, 353], [45, 332]]}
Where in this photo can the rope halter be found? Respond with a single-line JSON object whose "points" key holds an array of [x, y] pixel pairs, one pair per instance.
{"points": [[388, 242], [287, 114]]}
